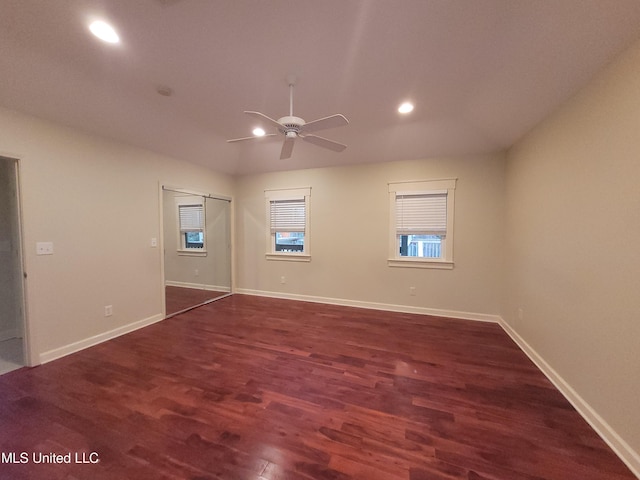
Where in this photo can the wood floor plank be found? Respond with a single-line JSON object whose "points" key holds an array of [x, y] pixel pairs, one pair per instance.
{"points": [[258, 388]]}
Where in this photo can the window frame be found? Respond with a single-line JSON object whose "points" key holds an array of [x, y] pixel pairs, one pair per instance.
{"points": [[422, 187], [274, 195], [182, 248]]}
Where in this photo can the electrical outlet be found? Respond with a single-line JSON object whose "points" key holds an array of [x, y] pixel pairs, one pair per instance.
{"points": [[197, 272], [520, 313], [44, 248], [108, 310], [412, 291], [283, 280], [154, 242]]}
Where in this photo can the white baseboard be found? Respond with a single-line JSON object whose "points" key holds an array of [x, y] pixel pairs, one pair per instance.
{"points": [[198, 286], [96, 339], [482, 317], [627, 454]]}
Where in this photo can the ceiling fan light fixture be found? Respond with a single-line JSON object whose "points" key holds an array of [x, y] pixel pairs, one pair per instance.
{"points": [[406, 107], [104, 32], [295, 127]]}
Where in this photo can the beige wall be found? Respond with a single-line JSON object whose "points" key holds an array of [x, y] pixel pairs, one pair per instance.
{"points": [[572, 245], [98, 202], [349, 225], [550, 243]]}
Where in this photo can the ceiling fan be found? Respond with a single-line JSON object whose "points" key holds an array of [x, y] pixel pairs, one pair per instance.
{"points": [[295, 127]]}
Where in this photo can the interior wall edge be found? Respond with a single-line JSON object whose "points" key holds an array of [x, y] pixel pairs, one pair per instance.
{"points": [[480, 317], [74, 347], [622, 449]]}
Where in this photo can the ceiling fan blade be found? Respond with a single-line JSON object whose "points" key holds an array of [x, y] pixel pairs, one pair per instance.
{"points": [[331, 121], [324, 143], [252, 138], [287, 148], [263, 117]]}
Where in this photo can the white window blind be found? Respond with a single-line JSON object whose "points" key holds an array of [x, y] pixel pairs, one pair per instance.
{"points": [[287, 215], [191, 218], [421, 214]]}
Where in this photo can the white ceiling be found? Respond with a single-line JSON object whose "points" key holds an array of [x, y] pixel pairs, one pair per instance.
{"points": [[481, 72]]}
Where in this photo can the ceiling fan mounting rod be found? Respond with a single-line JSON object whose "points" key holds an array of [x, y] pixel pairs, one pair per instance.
{"points": [[295, 127], [291, 99]]}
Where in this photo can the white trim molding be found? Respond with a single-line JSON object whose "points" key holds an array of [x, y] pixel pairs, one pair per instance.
{"points": [[96, 339], [435, 312], [420, 263], [198, 286], [628, 455], [280, 194], [621, 448], [288, 257], [422, 187]]}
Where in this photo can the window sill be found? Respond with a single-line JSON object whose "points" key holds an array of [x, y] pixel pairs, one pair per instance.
{"points": [[420, 263], [191, 253], [289, 257]]}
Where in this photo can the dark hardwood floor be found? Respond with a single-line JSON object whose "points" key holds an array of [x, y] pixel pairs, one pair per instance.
{"points": [[256, 388], [178, 299]]}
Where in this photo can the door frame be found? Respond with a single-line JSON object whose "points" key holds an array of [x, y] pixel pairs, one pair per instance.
{"points": [[29, 358]]}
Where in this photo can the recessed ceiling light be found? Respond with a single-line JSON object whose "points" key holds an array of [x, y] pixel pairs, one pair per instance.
{"points": [[104, 32], [406, 107], [259, 132]]}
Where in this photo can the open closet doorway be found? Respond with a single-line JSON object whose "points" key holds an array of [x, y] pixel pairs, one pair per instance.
{"points": [[197, 248], [12, 318]]}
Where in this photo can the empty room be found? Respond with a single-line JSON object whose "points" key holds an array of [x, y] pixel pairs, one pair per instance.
{"points": [[306, 240]]}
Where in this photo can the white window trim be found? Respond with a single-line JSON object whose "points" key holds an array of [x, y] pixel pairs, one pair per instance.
{"points": [[191, 252], [420, 187], [288, 194]]}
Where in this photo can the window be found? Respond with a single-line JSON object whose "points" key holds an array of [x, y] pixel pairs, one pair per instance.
{"points": [[191, 228], [288, 224], [421, 223]]}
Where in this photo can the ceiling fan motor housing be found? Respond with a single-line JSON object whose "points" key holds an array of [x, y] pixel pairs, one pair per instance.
{"points": [[291, 126]]}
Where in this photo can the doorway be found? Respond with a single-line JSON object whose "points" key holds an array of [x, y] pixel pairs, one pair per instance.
{"points": [[197, 248], [12, 318]]}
